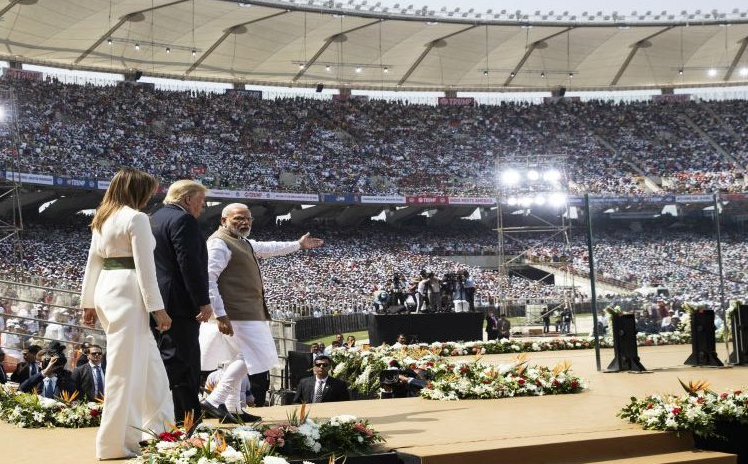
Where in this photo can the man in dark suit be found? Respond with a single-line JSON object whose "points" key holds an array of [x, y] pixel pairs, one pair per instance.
{"points": [[89, 377], [182, 271], [28, 367], [52, 380], [3, 375], [321, 388], [492, 325]]}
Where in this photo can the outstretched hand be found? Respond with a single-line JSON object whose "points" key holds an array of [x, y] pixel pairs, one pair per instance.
{"points": [[308, 242]]}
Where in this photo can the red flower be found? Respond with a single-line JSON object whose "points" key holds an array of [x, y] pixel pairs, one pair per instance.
{"points": [[738, 392], [429, 364], [521, 381], [556, 383], [723, 396], [464, 370], [486, 382], [94, 412], [392, 363], [574, 384], [677, 410], [650, 406], [475, 349], [169, 436]]}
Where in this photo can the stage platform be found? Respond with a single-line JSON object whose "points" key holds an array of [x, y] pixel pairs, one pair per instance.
{"points": [[561, 429]]}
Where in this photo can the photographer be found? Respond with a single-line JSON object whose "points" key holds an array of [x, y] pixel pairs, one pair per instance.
{"points": [[53, 378], [398, 289], [401, 383]]}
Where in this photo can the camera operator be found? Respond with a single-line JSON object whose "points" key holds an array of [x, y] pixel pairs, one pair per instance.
{"points": [[53, 378], [401, 383], [398, 289], [469, 285]]}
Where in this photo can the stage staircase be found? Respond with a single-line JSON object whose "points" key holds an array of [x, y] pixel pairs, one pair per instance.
{"points": [[625, 446]]}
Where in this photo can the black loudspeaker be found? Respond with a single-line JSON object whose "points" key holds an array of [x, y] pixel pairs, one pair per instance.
{"points": [[298, 366], [739, 328], [624, 345], [138, 75], [703, 342], [320, 87], [561, 91]]}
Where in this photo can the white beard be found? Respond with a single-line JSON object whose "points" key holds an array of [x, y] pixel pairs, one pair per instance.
{"points": [[236, 231]]}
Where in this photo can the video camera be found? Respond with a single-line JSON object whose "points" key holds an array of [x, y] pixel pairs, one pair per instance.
{"points": [[389, 376]]}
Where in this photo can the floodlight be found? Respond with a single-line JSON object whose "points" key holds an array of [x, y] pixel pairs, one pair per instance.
{"points": [[512, 201], [557, 199], [744, 71], [533, 174], [510, 177], [712, 72], [551, 175], [540, 200], [526, 202]]}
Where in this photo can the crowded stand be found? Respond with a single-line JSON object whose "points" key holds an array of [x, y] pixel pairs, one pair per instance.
{"points": [[373, 147]]}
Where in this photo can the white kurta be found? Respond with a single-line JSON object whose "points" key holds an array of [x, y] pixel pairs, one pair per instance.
{"points": [[137, 388], [252, 339]]}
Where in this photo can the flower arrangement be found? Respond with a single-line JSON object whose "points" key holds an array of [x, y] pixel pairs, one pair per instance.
{"points": [[298, 437], [361, 368], [477, 380], [697, 411], [29, 410]]}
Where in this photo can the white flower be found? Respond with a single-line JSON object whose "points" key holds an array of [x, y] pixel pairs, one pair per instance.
{"points": [[360, 439], [246, 434], [273, 460], [189, 453], [164, 445], [343, 419], [232, 455], [48, 403]]}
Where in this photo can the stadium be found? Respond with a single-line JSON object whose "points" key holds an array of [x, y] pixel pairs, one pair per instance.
{"points": [[557, 168]]}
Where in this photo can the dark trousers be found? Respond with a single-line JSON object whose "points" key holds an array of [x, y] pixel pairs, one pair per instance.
{"points": [[180, 351], [259, 384], [470, 296], [492, 334]]}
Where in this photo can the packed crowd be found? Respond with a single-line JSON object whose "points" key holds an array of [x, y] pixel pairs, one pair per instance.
{"points": [[373, 147]]}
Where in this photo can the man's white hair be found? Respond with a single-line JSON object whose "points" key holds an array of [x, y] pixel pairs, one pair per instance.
{"points": [[228, 209]]}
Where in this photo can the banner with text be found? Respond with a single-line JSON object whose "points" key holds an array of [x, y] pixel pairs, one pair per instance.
{"points": [[23, 74], [471, 201], [382, 199], [26, 178], [333, 198], [426, 200], [81, 183], [456, 101], [284, 196]]}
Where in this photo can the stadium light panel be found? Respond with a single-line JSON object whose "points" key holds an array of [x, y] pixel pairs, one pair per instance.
{"points": [[512, 201], [712, 72], [526, 202], [744, 71], [557, 199], [540, 200], [551, 175], [533, 174], [510, 177]]}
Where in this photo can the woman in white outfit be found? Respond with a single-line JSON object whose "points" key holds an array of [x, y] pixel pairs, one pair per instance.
{"points": [[120, 289]]}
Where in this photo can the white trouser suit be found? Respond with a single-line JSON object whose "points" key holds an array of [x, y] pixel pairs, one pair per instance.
{"points": [[136, 388]]}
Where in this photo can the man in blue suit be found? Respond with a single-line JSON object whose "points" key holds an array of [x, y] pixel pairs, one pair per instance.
{"points": [[182, 272]]}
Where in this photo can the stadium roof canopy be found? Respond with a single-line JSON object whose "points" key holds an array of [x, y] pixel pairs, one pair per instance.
{"points": [[351, 44]]}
